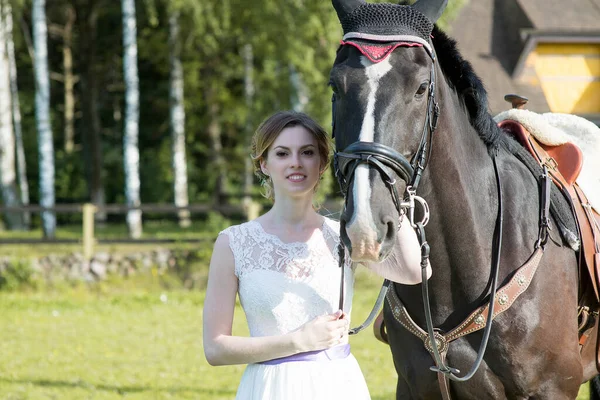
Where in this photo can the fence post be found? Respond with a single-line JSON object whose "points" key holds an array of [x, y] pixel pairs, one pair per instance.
{"points": [[88, 230]]}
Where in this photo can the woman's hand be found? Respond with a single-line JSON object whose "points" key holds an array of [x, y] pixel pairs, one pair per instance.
{"points": [[322, 332]]}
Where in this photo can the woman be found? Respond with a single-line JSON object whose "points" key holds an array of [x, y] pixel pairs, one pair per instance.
{"points": [[284, 266]]}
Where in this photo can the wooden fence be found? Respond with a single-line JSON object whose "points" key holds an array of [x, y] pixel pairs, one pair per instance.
{"points": [[88, 211]]}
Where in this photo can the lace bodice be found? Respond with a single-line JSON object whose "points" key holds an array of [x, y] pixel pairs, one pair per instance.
{"points": [[284, 285]]}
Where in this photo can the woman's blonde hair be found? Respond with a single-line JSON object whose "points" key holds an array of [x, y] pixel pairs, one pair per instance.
{"points": [[270, 129]]}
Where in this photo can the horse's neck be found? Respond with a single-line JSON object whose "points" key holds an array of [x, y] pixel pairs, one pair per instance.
{"points": [[460, 187]]}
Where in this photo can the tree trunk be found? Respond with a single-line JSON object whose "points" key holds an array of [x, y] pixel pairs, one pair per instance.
{"points": [[299, 96], [214, 132], [180, 185], [16, 112], [87, 17], [42, 113], [130, 141], [248, 56], [69, 80]]}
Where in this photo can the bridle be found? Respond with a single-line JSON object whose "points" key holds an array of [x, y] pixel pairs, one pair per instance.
{"points": [[390, 164]]}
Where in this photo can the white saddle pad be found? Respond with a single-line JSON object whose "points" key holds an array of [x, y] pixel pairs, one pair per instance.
{"points": [[556, 128]]}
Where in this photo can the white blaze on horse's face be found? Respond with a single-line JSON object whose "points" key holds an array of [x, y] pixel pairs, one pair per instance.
{"points": [[361, 228]]}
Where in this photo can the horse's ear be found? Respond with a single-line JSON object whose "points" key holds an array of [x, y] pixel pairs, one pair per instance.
{"points": [[432, 9], [344, 7]]}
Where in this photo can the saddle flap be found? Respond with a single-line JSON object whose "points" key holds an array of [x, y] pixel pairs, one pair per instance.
{"points": [[567, 157]]}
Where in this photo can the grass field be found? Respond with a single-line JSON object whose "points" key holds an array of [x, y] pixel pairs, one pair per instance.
{"points": [[120, 342]]}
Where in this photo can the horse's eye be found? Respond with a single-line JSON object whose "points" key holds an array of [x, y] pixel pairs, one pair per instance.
{"points": [[422, 89], [331, 84]]}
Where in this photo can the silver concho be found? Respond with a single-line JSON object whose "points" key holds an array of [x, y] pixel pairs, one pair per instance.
{"points": [[503, 299], [480, 320]]}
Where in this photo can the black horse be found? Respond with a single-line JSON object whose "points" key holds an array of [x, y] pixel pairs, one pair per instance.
{"points": [[410, 111]]}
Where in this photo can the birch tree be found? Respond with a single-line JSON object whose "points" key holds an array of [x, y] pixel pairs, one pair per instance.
{"points": [[299, 95], [248, 57], [8, 185], [131, 157], [16, 111], [177, 117], [42, 115]]}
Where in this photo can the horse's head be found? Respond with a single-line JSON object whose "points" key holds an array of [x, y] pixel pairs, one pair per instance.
{"points": [[384, 109]]}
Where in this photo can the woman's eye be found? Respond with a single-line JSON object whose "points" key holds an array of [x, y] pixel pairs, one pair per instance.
{"points": [[309, 152], [280, 154], [422, 88]]}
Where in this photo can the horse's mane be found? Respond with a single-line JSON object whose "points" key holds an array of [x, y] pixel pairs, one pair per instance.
{"points": [[468, 86]]}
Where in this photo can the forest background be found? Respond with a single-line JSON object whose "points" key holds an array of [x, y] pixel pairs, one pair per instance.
{"points": [[151, 101]]}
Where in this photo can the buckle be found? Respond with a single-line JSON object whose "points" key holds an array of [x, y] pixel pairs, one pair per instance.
{"points": [[551, 163]]}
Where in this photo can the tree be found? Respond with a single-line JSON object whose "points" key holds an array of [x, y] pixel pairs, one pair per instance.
{"points": [[131, 158], [177, 118], [8, 185], [16, 110], [68, 78], [86, 18], [42, 114]]}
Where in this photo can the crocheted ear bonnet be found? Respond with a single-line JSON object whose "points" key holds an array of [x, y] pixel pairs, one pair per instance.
{"points": [[387, 19]]}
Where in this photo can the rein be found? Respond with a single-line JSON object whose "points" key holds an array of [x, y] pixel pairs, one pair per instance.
{"points": [[383, 158]]}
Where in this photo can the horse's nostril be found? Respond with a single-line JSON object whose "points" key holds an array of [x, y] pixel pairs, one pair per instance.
{"points": [[390, 234]]}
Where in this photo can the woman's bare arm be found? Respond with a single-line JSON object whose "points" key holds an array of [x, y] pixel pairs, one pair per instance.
{"points": [[221, 348]]}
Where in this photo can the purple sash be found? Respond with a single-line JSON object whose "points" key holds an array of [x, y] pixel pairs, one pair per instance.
{"points": [[333, 353]]}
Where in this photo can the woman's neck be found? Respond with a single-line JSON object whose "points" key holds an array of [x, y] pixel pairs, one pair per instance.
{"points": [[294, 212]]}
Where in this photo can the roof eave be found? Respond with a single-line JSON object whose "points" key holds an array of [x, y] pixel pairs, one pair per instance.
{"points": [[535, 36]]}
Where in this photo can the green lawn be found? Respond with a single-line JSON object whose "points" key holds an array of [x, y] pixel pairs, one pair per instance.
{"points": [[121, 343]]}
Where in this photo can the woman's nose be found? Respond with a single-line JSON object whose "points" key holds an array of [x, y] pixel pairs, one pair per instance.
{"points": [[296, 162]]}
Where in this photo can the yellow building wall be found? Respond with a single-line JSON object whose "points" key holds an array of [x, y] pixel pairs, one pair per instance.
{"points": [[569, 75]]}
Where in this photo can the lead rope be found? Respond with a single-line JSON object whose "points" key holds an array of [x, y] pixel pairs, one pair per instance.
{"points": [[378, 302]]}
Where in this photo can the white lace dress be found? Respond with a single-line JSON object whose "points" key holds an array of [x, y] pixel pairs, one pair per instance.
{"points": [[281, 287]]}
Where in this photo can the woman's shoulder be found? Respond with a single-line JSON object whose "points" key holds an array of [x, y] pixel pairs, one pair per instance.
{"points": [[239, 229]]}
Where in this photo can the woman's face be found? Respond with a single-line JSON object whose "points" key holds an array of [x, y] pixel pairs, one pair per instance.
{"points": [[293, 162]]}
